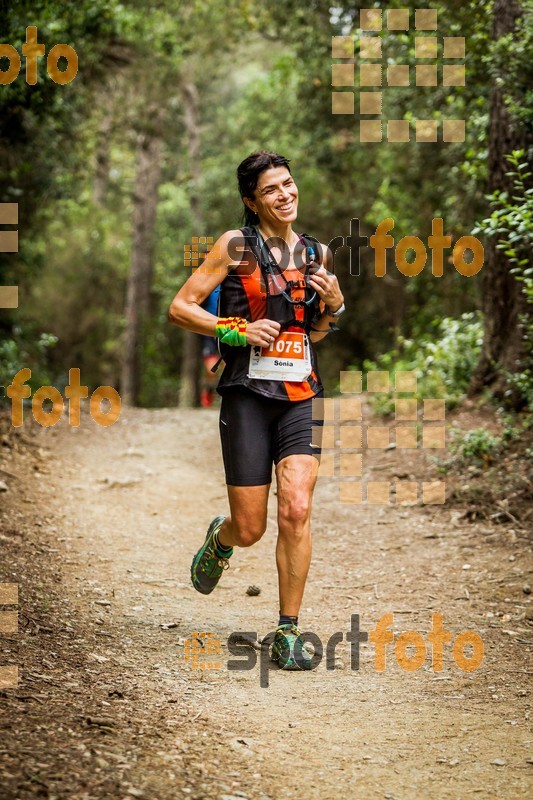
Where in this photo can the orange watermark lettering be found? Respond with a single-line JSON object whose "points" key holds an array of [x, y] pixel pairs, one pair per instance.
{"points": [[32, 50], [17, 391]]}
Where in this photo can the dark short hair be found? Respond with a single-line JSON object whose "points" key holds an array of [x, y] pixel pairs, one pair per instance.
{"points": [[248, 173]]}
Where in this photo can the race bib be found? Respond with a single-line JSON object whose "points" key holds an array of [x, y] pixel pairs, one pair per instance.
{"points": [[288, 358]]}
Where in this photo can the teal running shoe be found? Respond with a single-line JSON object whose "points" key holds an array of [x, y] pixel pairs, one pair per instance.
{"points": [[207, 566], [283, 649]]}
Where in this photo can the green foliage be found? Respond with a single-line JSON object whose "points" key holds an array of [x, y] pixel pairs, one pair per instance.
{"points": [[79, 296], [511, 223], [25, 349], [510, 63], [514, 426], [38, 123], [161, 359], [477, 444], [480, 448], [442, 360]]}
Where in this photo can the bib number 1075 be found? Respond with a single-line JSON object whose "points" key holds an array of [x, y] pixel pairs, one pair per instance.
{"points": [[286, 347], [288, 358]]}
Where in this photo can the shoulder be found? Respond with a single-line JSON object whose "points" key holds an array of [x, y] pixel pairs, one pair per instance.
{"points": [[229, 247], [229, 238], [236, 249]]}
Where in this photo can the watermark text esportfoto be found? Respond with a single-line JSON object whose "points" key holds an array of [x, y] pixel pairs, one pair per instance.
{"points": [[381, 242], [409, 648]]}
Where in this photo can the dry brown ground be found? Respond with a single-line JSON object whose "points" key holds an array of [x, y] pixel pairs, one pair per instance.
{"points": [[98, 527]]}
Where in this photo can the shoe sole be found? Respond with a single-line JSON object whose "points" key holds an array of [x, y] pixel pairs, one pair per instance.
{"points": [[198, 588]]}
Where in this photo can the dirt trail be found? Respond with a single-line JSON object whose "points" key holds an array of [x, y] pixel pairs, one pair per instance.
{"points": [[124, 715]]}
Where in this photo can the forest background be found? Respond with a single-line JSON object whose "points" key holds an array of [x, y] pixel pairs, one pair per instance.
{"points": [[116, 171]]}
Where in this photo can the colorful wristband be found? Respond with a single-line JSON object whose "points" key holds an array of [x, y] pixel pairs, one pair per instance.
{"points": [[232, 331]]}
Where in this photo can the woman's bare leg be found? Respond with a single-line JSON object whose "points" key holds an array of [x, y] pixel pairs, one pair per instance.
{"points": [[248, 516], [296, 477]]}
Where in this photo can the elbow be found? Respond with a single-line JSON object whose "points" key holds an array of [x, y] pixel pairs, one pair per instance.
{"points": [[174, 313]]}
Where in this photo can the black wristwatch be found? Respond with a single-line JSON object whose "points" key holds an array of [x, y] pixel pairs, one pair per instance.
{"points": [[337, 313]]}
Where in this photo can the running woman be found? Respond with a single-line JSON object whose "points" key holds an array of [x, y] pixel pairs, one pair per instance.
{"points": [[277, 298]]}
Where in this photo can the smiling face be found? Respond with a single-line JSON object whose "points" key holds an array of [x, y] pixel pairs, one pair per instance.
{"points": [[275, 198]]}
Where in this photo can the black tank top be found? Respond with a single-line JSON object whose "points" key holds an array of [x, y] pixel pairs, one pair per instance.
{"points": [[250, 290]]}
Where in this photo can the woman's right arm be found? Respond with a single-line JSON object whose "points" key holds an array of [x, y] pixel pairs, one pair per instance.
{"points": [[186, 311]]}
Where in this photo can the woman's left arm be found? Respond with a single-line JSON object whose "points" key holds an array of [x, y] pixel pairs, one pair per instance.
{"points": [[327, 287]]}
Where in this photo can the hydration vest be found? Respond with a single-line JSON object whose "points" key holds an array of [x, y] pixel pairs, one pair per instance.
{"points": [[293, 303], [262, 291]]}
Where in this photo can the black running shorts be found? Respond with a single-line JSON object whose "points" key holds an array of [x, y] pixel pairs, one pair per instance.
{"points": [[258, 431]]}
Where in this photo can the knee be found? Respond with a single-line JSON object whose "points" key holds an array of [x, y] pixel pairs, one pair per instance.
{"points": [[294, 512], [248, 534]]}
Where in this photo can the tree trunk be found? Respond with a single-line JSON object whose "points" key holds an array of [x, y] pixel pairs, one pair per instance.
{"points": [[149, 150], [103, 141], [503, 300], [191, 360]]}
